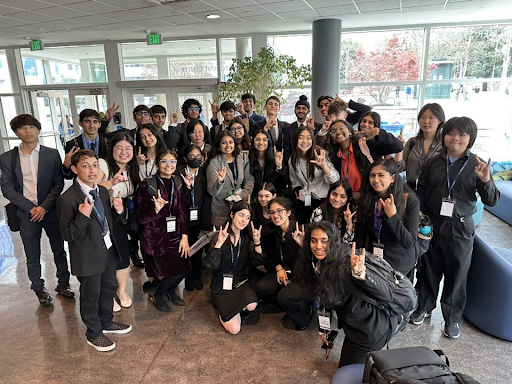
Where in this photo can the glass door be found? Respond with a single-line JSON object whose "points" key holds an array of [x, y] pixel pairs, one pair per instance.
{"points": [[81, 99]]}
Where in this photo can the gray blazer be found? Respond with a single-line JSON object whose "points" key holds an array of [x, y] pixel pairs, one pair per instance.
{"points": [[50, 181], [219, 191]]}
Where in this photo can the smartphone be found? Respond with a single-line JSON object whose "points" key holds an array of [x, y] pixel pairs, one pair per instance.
{"points": [[331, 336]]}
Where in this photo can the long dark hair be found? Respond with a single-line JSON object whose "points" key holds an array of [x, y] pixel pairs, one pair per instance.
{"points": [[438, 112], [245, 143], [288, 205], [327, 208], [335, 270], [191, 125], [310, 154], [215, 151], [238, 206], [270, 161], [132, 167], [258, 209], [159, 146], [375, 116], [368, 196]]}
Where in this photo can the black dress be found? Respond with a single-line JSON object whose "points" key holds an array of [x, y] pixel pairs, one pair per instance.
{"points": [[234, 259]]}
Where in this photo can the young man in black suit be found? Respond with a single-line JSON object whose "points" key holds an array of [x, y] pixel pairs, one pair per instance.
{"points": [[271, 124], [38, 174], [87, 223], [89, 120]]}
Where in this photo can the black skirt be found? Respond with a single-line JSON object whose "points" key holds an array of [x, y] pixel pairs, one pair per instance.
{"points": [[230, 303]]}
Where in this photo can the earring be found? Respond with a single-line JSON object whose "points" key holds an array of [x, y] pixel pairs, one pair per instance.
{"points": [[391, 186]]}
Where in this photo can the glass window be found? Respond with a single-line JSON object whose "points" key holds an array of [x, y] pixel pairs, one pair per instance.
{"points": [[288, 99], [381, 56], [185, 59], [238, 48], [64, 65], [5, 77], [298, 46]]}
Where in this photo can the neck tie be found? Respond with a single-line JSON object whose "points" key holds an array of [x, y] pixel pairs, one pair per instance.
{"points": [[99, 206], [273, 135], [93, 146]]}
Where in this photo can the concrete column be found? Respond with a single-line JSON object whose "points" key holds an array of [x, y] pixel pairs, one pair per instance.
{"points": [[242, 48], [162, 67], [259, 40], [326, 60], [85, 70], [47, 72], [17, 76], [114, 64]]}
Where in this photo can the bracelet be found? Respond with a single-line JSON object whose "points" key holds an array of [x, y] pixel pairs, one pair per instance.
{"points": [[257, 245]]}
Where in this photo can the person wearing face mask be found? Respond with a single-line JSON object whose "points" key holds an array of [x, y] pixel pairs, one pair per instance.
{"points": [[326, 269], [199, 202]]}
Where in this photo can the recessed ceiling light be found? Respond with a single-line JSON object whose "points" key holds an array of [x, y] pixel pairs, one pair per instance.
{"points": [[76, 53], [212, 16]]}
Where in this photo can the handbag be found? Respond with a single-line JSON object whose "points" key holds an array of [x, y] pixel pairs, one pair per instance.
{"points": [[11, 210]]}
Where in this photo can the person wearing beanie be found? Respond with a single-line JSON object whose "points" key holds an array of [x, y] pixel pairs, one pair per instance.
{"points": [[302, 110]]}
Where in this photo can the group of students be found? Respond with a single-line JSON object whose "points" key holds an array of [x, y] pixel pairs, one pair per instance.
{"points": [[285, 203]]}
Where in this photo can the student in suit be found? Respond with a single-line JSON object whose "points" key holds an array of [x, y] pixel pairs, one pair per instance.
{"points": [[271, 124], [159, 117], [89, 120], [246, 110], [87, 223], [141, 115], [38, 172], [302, 109], [227, 110]]}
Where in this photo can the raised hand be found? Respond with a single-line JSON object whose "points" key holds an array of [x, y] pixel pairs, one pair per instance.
{"points": [[118, 178], [117, 202], [320, 159], [371, 133], [401, 136], [188, 179], [357, 261], [389, 206], [338, 98], [184, 248], [141, 158], [246, 122], [256, 234], [310, 122], [221, 174], [86, 207], [111, 111], [159, 202], [240, 108], [482, 170], [348, 216], [67, 157], [215, 108], [174, 117], [278, 157], [298, 235], [326, 124], [223, 235]]}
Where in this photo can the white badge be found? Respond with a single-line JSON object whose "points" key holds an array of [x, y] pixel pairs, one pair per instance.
{"points": [[324, 320], [194, 214], [378, 250], [106, 239], [227, 283], [307, 199], [447, 207], [171, 224]]}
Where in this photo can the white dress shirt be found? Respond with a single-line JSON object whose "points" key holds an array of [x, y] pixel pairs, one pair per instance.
{"points": [[29, 167]]}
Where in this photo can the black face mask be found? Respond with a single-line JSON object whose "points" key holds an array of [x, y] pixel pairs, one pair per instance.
{"points": [[195, 163]]}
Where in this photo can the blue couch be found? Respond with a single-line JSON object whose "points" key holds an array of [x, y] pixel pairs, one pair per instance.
{"points": [[489, 290], [502, 176]]}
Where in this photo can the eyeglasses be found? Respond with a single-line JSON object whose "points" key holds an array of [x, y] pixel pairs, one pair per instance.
{"points": [[336, 131], [233, 129], [168, 162], [197, 132], [278, 212], [121, 149], [143, 113], [198, 157], [261, 140], [195, 109]]}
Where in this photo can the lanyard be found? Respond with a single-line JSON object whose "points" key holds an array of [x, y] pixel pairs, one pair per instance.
{"points": [[304, 175], [151, 170], [233, 260], [104, 221], [377, 223], [262, 173], [192, 193], [423, 157], [348, 164], [235, 172], [450, 186], [172, 191]]}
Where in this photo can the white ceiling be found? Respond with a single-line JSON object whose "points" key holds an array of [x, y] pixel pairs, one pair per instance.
{"points": [[78, 21]]}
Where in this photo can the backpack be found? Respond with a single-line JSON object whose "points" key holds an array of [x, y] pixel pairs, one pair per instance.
{"points": [[412, 365], [404, 294]]}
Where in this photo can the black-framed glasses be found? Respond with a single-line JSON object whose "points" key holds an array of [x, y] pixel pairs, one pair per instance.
{"points": [[197, 157], [195, 109], [143, 113], [278, 212]]}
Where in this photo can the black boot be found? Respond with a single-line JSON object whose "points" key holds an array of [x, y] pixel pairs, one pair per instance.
{"points": [[137, 260]]}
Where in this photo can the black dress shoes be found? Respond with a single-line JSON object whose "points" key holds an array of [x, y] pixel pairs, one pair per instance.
{"points": [[137, 260], [65, 290], [198, 284], [178, 301], [160, 304], [44, 297]]}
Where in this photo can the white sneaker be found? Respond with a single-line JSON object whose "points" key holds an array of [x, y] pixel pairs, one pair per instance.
{"points": [[117, 307]]}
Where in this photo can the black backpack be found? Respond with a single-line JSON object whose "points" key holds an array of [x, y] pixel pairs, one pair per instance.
{"points": [[404, 294], [411, 365], [153, 188]]}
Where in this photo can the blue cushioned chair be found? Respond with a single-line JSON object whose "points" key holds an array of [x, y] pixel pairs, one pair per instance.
{"points": [[489, 290], [349, 374]]}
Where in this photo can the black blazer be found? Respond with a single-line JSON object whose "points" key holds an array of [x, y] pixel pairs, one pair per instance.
{"points": [[202, 200], [50, 181], [281, 125], [87, 250], [103, 150], [287, 138]]}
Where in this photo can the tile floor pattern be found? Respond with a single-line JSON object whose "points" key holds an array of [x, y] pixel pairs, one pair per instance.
{"points": [[47, 345]]}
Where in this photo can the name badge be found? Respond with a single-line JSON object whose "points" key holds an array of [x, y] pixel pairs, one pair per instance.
{"points": [[171, 224], [307, 199], [107, 240], [194, 214], [227, 282], [324, 320], [378, 250], [447, 207]]}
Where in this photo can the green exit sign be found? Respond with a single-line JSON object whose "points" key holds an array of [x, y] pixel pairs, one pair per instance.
{"points": [[36, 45], [154, 39]]}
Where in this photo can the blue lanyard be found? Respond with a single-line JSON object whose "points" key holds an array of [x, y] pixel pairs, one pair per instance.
{"points": [[104, 221], [450, 186], [233, 260], [303, 174], [423, 157], [282, 258], [172, 191], [377, 221]]}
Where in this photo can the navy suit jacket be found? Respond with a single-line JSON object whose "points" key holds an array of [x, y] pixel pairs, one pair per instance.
{"points": [[50, 181], [79, 142]]}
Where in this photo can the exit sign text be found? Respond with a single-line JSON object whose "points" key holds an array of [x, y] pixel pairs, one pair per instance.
{"points": [[154, 39], [36, 45]]}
